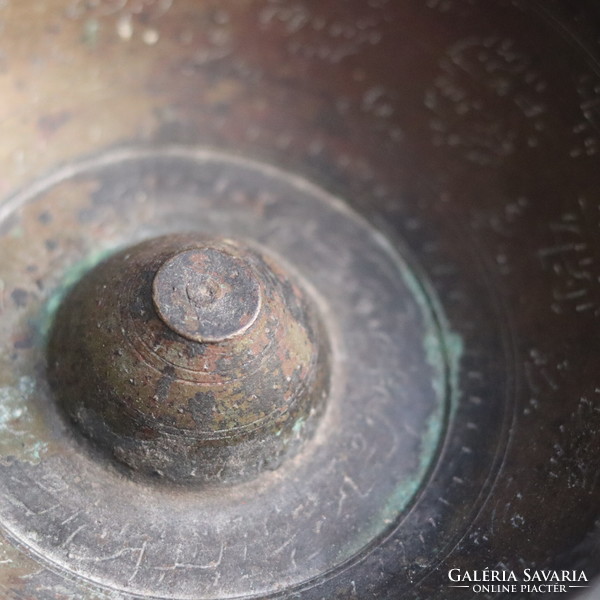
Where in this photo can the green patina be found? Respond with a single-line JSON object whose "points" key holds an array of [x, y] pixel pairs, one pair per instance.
{"points": [[298, 425], [17, 232], [17, 419], [69, 279], [443, 351], [91, 32], [17, 411]]}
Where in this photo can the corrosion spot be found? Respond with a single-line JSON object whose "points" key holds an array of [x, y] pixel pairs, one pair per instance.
{"points": [[19, 297]]}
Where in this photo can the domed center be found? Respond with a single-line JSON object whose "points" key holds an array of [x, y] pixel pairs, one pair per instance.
{"points": [[207, 294], [198, 360]]}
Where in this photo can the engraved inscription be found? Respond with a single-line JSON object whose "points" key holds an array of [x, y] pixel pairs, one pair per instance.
{"points": [[485, 88], [573, 260]]}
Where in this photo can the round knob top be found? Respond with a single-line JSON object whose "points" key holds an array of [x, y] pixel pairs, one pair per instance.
{"points": [[206, 294]]}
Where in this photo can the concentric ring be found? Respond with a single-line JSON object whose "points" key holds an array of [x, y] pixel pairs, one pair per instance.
{"points": [[392, 387]]}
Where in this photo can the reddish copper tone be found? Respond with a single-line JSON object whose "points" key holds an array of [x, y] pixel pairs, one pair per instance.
{"points": [[207, 294], [194, 359]]}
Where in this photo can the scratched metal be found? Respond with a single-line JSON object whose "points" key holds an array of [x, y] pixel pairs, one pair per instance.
{"points": [[174, 408], [466, 133], [207, 294], [385, 421]]}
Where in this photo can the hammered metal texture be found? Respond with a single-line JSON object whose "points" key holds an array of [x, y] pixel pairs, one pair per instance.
{"points": [[430, 169]]}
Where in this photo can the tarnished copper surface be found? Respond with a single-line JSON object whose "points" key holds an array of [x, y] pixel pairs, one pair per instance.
{"points": [[220, 407], [207, 294], [364, 289], [429, 169]]}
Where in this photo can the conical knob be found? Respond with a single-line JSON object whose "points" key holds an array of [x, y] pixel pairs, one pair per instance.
{"points": [[194, 359]]}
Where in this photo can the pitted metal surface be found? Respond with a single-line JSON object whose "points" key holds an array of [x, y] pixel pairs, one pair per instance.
{"points": [[207, 295], [182, 409], [345, 495], [428, 171]]}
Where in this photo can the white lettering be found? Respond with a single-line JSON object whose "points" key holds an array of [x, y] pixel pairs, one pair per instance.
{"points": [[454, 578]]}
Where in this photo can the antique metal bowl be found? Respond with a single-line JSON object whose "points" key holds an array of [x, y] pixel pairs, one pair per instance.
{"points": [[299, 299]]}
